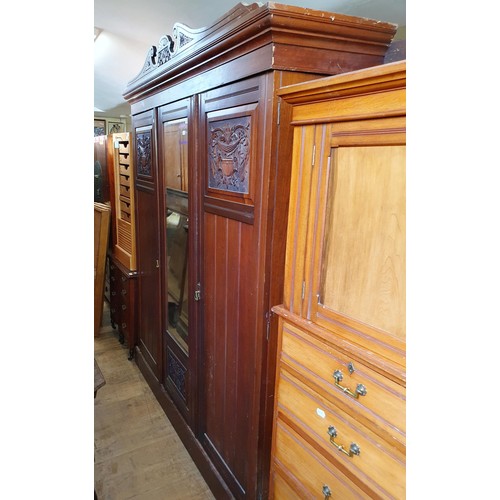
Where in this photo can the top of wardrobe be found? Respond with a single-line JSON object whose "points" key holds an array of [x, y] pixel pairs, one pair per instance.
{"points": [[279, 37], [390, 75]]}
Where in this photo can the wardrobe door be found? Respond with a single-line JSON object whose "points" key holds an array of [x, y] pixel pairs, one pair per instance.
{"points": [[358, 277], [232, 284], [174, 132], [148, 242]]}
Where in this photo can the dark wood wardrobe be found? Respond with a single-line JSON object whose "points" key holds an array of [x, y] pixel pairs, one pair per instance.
{"points": [[211, 201]]}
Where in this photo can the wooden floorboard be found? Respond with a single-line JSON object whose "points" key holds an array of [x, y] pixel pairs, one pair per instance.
{"points": [[138, 454]]}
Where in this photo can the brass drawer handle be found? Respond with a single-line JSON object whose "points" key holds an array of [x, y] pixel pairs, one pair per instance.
{"points": [[360, 388], [354, 449], [327, 492]]}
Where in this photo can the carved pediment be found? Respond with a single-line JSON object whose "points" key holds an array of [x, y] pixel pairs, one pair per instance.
{"points": [[183, 37], [168, 46]]}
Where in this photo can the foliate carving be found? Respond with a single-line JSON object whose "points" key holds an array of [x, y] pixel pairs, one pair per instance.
{"points": [[168, 46], [143, 153], [151, 60], [184, 39], [176, 373], [165, 49], [229, 154]]}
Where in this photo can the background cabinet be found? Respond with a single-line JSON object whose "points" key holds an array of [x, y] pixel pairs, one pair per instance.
{"points": [[122, 252], [122, 302], [209, 139], [341, 379]]}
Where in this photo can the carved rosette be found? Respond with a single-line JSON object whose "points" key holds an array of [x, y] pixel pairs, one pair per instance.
{"points": [[143, 153], [229, 154]]}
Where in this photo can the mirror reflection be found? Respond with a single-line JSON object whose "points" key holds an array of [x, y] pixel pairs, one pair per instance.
{"points": [[177, 227], [177, 264]]}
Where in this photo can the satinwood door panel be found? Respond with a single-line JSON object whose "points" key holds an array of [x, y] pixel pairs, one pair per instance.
{"points": [[346, 260]]}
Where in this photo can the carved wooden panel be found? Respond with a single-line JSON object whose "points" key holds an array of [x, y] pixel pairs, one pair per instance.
{"points": [[176, 373], [229, 154], [232, 161], [143, 153]]}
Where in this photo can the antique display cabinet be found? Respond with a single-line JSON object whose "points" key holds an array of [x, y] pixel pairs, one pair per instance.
{"points": [[212, 154], [340, 405]]}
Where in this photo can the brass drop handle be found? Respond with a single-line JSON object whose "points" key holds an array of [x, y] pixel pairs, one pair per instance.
{"points": [[354, 449], [360, 388], [326, 492]]}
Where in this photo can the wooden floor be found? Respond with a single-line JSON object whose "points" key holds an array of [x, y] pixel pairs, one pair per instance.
{"points": [[138, 455]]}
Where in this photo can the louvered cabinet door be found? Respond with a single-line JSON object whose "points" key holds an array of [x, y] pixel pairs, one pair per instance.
{"points": [[121, 160]]}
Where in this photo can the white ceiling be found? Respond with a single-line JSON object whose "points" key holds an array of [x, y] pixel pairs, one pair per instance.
{"points": [[129, 28]]}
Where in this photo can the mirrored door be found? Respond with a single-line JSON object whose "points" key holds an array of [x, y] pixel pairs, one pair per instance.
{"points": [[175, 141], [174, 153]]}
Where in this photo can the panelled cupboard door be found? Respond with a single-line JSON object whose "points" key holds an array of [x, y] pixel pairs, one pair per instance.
{"points": [[346, 259], [148, 242], [231, 291]]}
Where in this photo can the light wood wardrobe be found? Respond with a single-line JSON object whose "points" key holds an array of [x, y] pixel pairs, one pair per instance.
{"points": [[339, 419]]}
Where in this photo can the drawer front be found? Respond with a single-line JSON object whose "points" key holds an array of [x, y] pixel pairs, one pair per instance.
{"points": [[307, 472], [122, 290], [378, 466], [281, 488], [382, 408], [114, 287]]}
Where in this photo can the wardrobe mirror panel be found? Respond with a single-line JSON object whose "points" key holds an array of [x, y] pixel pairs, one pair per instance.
{"points": [[175, 141]]}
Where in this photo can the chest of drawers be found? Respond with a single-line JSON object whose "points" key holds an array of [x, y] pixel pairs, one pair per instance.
{"points": [[122, 284], [361, 439]]}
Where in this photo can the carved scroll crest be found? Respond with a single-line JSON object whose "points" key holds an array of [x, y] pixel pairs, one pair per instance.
{"points": [[169, 46]]}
